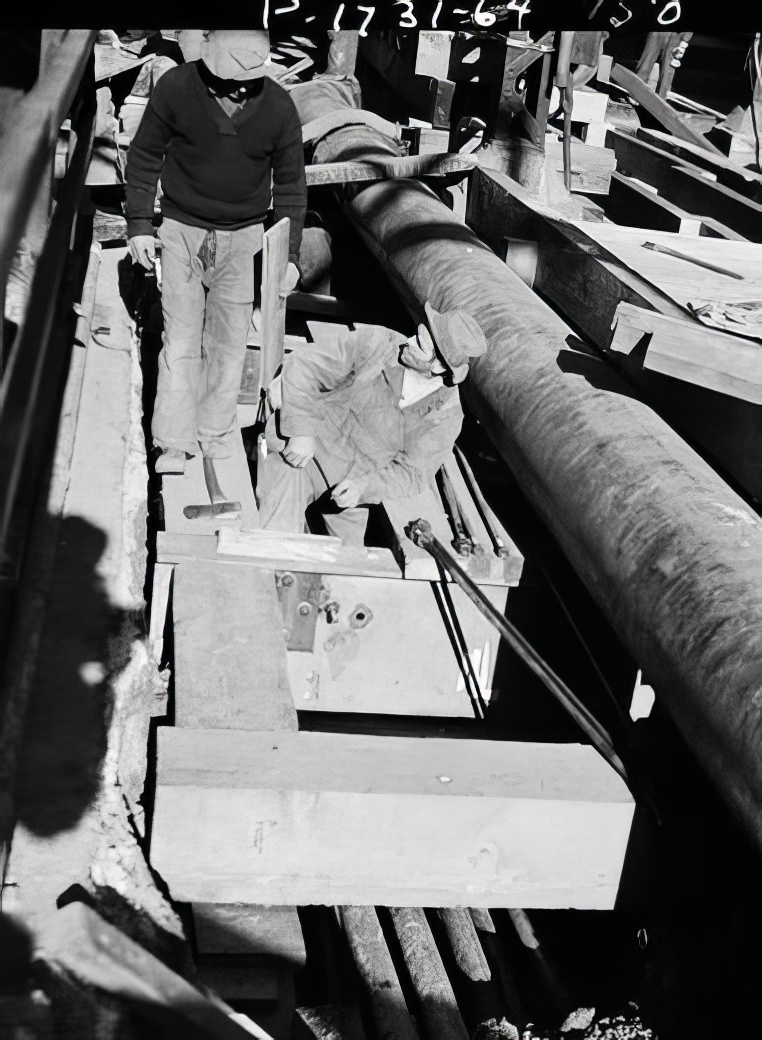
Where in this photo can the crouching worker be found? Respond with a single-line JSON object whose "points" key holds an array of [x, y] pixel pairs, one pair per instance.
{"points": [[223, 136], [368, 419]]}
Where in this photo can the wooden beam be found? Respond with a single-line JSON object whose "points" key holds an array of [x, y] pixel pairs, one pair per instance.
{"points": [[657, 107], [378, 975], [103, 957], [429, 98], [427, 974], [728, 172], [692, 352], [273, 327], [695, 192], [303, 818], [308, 554], [273, 932], [230, 652], [385, 167], [633, 205]]}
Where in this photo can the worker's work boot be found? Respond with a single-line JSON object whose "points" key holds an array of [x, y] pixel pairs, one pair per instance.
{"points": [[171, 460]]}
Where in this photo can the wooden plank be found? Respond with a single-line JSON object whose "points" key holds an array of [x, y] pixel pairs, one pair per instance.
{"points": [[257, 931], [429, 98], [696, 193], [273, 322], [684, 184], [427, 973], [230, 652], [728, 172], [275, 551], [378, 975], [591, 166], [432, 55], [310, 553], [690, 351], [631, 204], [190, 488], [98, 954], [660, 109], [643, 160], [319, 303], [677, 279], [385, 167], [304, 818]]}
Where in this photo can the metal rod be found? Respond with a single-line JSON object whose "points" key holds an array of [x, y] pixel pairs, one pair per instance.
{"points": [[488, 516], [420, 532], [462, 544], [692, 260]]}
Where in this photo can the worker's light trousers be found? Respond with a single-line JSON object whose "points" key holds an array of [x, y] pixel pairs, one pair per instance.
{"points": [[208, 291]]}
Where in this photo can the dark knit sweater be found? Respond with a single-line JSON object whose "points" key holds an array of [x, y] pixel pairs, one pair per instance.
{"points": [[216, 169]]}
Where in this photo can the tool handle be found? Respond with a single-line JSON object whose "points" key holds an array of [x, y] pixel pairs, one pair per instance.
{"points": [[564, 59], [212, 484]]}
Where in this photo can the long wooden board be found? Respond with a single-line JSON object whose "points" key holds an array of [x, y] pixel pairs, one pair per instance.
{"points": [[660, 109], [304, 818], [273, 326], [387, 167], [729, 173], [690, 351], [230, 652], [275, 551]]}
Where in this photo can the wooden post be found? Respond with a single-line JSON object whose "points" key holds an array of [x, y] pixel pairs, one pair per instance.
{"points": [[274, 265], [373, 961], [428, 975]]}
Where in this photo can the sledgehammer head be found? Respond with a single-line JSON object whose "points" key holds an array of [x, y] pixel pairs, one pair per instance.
{"points": [[419, 532]]}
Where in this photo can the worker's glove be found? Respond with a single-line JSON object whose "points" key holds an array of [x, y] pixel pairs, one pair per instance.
{"points": [[290, 280], [299, 451], [143, 250], [275, 394], [347, 494]]}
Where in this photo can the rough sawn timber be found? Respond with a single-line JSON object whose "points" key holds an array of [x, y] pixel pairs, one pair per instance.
{"points": [[300, 818], [230, 653]]}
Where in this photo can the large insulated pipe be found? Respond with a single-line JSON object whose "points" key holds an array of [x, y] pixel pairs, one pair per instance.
{"points": [[669, 552]]}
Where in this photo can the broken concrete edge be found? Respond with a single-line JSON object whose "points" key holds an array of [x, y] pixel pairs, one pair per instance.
{"points": [[118, 880]]}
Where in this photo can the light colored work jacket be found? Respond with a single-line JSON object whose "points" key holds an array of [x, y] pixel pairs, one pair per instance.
{"points": [[347, 395]]}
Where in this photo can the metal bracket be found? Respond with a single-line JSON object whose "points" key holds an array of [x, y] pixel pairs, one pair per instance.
{"points": [[299, 595]]}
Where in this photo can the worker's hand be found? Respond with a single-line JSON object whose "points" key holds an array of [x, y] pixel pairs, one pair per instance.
{"points": [[299, 451], [290, 280], [346, 494], [275, 393], [143, 250]]}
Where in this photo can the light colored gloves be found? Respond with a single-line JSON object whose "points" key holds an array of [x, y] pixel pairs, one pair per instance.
{"points": [[299, 451]]}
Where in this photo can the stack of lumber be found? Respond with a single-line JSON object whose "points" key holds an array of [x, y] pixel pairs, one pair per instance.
{"points": [[704, 382]]}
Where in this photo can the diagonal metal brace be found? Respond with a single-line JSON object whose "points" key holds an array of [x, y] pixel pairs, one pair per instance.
{"points": [[419, 531]]}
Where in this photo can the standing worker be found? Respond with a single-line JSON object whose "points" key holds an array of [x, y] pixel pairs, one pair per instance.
{"points": [[224, 137], [369, 418]]}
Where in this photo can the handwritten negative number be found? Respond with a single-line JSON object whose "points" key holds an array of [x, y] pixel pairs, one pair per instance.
{"points": [[408, 14]]}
